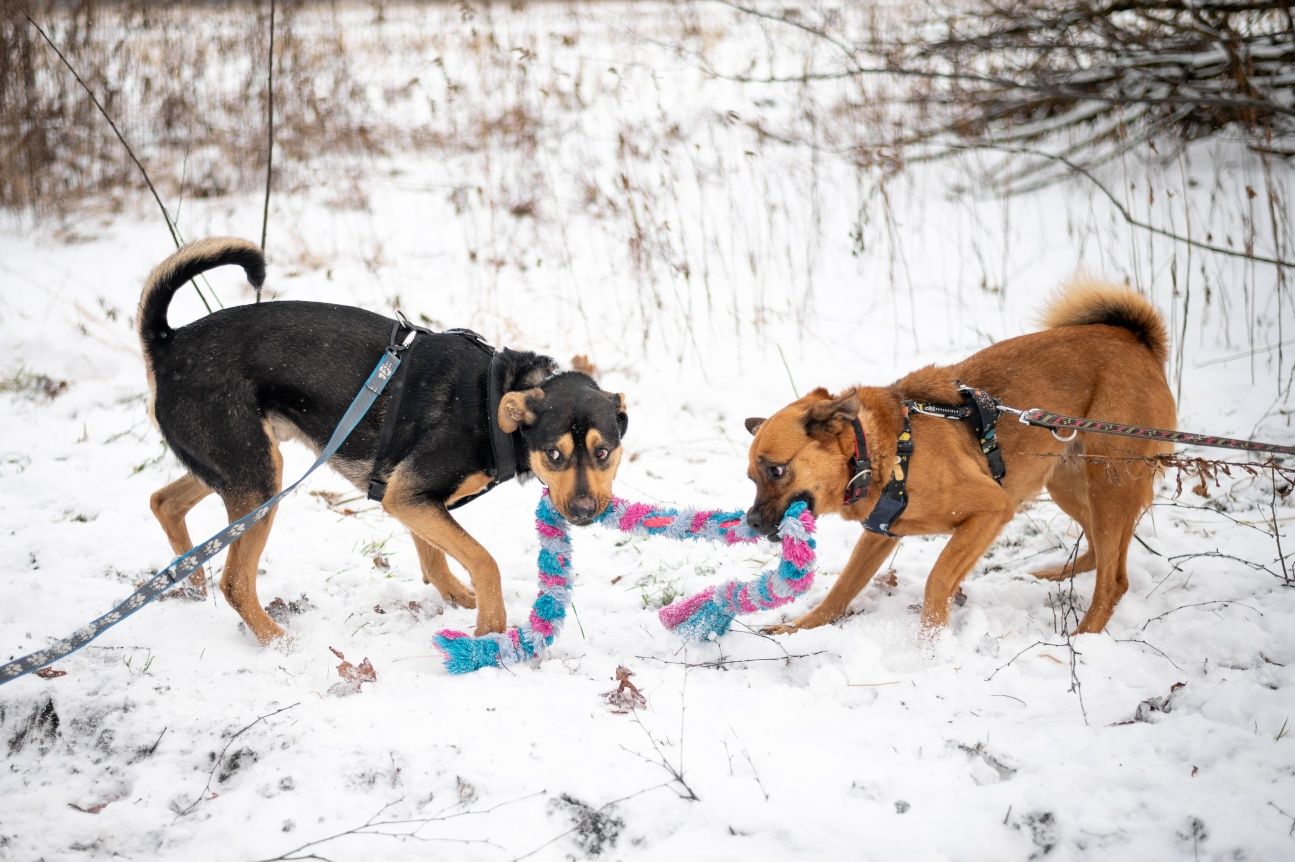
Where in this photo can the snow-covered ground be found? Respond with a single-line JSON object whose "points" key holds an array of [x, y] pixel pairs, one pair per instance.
{"points": [[710, 274]]}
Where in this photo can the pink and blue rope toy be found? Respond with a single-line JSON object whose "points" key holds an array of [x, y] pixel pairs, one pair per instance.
{"points": [[706, 615]]}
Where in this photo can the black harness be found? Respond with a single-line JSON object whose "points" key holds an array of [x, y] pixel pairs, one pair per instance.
{"points": [[504, 448], [980, 410]]}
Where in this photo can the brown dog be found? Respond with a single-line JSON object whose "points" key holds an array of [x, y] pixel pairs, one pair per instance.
{"points": [[1102, 356]]}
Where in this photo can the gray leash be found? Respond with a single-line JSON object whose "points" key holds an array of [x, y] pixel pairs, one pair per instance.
{"points": [[187, 563]]}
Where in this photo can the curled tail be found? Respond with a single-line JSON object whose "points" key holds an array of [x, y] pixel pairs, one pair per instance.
{"points": [[189, 262], [1085, 302]]}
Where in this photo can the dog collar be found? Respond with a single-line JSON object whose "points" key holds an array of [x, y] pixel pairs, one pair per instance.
{"points": [[503, 446], [859, 467]]}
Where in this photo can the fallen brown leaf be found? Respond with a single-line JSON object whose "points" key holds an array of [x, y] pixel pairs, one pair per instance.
{"points": [[353, 675], [626, 697]]}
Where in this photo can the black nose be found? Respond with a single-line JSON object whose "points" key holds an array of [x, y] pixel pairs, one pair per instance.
{"points": [[756, 520], [583, 507]]}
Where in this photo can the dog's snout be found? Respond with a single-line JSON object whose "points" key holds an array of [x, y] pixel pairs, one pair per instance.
{"points": [[755, 520], [583, 507]]}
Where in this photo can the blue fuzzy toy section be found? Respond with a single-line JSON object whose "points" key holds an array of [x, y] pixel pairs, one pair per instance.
{"points": [[709, 621], [465, 654]]}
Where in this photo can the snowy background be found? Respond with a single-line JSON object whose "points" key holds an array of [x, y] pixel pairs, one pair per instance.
{"points": [[575, 180]]}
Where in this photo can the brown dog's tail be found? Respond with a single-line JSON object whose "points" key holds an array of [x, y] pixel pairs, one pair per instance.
{"points": [[1085, 302], [189, 262]]}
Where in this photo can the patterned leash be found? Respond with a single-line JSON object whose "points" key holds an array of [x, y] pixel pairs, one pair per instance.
{"points": [[1055, 421], [183, 566]]}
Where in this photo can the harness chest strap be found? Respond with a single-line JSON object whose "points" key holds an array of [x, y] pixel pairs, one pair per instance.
{"points": [[980, 409], [894, 497], [502, 445]]}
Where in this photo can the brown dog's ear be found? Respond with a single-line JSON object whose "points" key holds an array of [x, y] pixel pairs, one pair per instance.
{"points": [[516, 409], [753, 424], [827, 417]]}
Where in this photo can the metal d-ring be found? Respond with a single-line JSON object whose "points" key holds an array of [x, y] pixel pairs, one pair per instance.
{"points": [[1056, 436]]}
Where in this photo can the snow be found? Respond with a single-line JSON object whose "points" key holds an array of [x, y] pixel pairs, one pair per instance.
{"points": [[715, 281]]}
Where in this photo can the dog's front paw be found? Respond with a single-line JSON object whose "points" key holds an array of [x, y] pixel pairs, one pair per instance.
{"points": [[782, 629], [188, 593], [490, 625], [269, 633]]}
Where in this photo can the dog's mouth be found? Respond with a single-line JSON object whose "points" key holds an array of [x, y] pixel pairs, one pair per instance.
{"points": [[803, 497]]}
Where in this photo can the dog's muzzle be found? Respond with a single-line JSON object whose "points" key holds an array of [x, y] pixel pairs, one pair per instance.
{"points": [[759, 522]]}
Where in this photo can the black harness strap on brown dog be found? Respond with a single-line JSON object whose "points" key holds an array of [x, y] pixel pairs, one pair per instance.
{"points": [[894, 497], [981, 410], [985, 419]]}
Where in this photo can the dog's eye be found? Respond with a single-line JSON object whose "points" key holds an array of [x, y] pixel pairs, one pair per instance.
{"points": [[554, 455], [602, 453], [776, 471]]}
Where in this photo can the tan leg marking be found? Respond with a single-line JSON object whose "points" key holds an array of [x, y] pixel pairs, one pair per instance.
{"points": [[869, 553], [238, 583], [431, 523], [469, 486], [436, 571], [170, 505]]}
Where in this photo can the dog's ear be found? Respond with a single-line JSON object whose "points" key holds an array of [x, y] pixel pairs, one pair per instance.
{"points": [[753, 424], [622, 416], [825, 418], [518, 408]]}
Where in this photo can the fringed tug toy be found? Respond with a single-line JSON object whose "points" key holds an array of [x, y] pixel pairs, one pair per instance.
{"points": [[707, 614]]}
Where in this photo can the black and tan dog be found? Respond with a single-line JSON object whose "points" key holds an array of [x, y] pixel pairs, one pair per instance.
{"points": [[1102, 356], [229, 387]]}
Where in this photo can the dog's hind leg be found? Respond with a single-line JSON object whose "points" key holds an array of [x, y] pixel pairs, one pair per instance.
{"points": [[1118, 496], [436, 571], [1068, 486], [869, 553], [969, 541], [170, 505], [238, 583]]}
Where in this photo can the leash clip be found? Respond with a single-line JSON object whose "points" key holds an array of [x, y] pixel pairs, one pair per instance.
{"points": [[398, 345], [1029, 417]]}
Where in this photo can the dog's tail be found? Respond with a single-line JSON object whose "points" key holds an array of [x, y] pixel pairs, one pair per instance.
{"points": [[187, 263], [1086, 301]]}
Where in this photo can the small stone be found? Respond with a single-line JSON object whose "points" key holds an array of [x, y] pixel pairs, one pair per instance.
{"points": [[901, 807]]}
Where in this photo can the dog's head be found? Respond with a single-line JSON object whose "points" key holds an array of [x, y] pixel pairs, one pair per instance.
{"points": [[572, 430], [800, 453]]}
